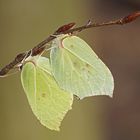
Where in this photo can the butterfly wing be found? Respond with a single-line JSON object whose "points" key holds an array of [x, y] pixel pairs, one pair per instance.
{"points": [[78, 70], [48, 102]]}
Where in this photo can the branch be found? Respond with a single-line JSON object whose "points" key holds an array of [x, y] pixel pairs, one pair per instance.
{"points": [[65, 29]]}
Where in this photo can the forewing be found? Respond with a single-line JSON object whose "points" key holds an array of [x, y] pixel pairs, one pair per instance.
{"points": [[78, 70], [48, 102]]}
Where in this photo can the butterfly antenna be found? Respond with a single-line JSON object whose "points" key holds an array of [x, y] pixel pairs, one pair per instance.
{"points": [[50, 48]]}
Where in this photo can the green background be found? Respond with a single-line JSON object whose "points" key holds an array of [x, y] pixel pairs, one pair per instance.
{"points": [[23, 24]]}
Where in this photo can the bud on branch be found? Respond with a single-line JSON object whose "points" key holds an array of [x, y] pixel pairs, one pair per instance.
{"points": [[65, 29]]}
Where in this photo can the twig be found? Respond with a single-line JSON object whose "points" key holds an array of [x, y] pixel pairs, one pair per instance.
{"points": [[65, 29]]}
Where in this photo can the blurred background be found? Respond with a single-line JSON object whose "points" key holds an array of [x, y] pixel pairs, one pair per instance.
{"points": [[23, 24]]}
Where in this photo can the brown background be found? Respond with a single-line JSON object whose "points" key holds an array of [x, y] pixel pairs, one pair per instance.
{"points": [[23, 24]]}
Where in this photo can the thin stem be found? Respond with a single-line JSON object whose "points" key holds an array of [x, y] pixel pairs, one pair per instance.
{"points": [[65, 29]]}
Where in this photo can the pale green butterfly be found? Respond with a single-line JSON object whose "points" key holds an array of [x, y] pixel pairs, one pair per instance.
{"points": [[49, 103], [77, 69]]}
